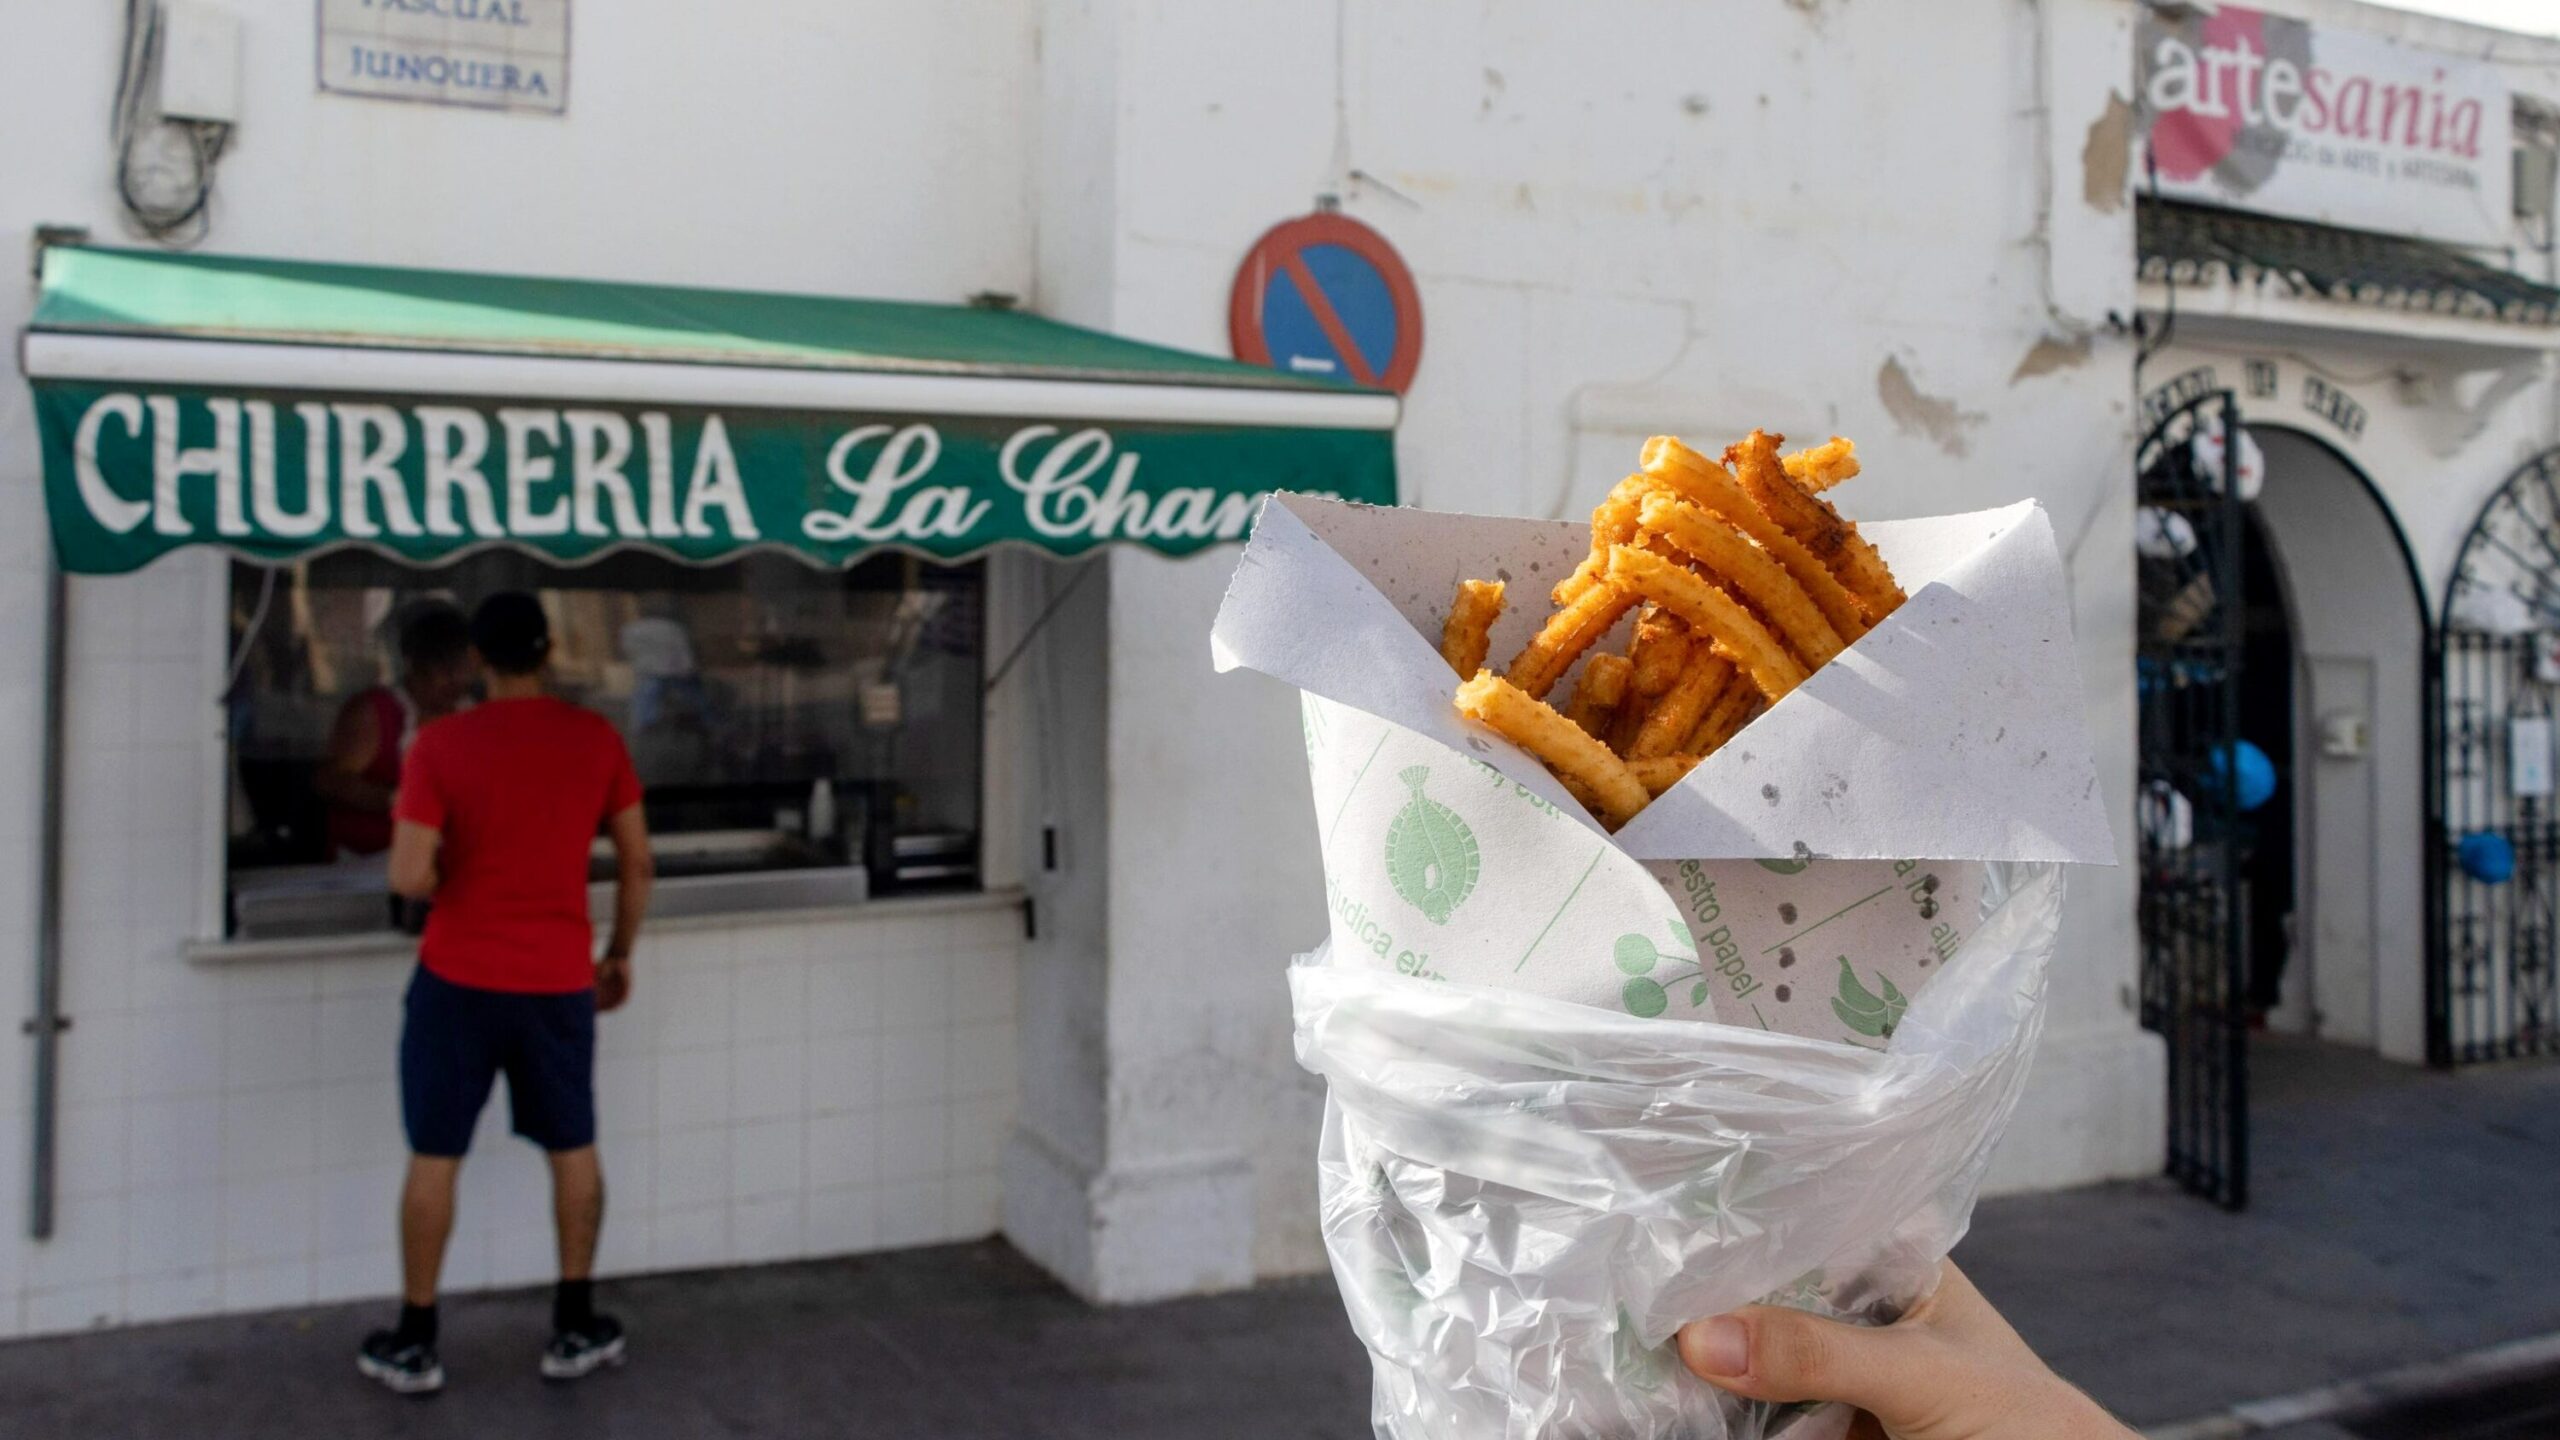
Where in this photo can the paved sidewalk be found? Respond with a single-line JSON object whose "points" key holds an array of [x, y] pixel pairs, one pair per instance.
{"points": [[954, 1343], [2398, 1216]]}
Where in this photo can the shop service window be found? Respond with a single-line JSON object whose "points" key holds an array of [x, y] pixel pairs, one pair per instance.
{"points": [[812, 735]]}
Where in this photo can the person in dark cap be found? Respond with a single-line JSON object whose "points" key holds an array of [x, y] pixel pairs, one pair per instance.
{"points": [[498, 808]]}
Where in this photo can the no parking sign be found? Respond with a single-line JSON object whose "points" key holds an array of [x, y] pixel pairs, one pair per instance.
{"points": [[1326, 295]]}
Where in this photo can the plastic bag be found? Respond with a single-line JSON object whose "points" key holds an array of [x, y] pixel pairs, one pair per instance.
{"points": [[1525, 1198]]}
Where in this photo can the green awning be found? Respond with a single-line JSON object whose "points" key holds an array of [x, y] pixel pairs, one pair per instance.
{"points": [[277, 408]]}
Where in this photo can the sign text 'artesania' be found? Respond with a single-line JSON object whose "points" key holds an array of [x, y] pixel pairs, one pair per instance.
{"points": [[2274, 114]]}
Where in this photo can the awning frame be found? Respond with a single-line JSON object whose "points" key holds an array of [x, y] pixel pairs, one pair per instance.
{"points": [[334, 369]]}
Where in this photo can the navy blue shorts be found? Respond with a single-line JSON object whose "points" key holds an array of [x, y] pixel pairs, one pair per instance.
{"points": [[457, 1040]]}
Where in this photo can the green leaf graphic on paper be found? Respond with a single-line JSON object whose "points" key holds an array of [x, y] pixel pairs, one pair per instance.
{"points": [[1862, 1010], [1644, 996], [1431, 854], [1783, 867], [1644, 999]]}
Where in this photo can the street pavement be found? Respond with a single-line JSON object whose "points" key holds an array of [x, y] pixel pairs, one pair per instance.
{"points": [[2397, 1216]]}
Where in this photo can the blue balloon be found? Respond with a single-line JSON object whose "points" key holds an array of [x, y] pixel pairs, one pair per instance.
{"points": [[2487, 857], [2255, 783]]}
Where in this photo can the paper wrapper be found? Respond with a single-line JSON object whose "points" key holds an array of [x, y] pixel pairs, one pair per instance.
{"points": [[1444, 867], [1950, 734], [1583, 1087]]}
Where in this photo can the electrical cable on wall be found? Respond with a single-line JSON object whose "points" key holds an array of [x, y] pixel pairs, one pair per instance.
{"points": [[256, 622], [164, 166]]}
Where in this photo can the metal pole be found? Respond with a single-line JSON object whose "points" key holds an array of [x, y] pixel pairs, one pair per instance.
{"points": [[2235, 980], [48, 1022], [2438, 839]]}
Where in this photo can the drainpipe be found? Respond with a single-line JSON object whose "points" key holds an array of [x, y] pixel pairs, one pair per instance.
{"points": [[48, 1022]]}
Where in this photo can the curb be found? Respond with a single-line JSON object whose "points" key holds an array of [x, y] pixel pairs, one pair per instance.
{"points": [[2450, 1375]]}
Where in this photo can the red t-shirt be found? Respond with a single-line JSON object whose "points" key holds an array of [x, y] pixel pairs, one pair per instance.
{"points": [[518, 788]]}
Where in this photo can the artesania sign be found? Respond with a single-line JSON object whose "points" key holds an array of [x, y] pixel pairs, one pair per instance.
{"points": [[2272, 114], [133, 473], [492, 54]]}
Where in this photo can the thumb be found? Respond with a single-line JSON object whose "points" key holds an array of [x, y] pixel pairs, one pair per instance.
{"points": [[1768, 1352]]}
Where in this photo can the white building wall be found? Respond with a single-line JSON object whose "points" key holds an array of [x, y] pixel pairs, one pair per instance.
{"points": [[230, 1133], [1906, 223], [1870, 219]]}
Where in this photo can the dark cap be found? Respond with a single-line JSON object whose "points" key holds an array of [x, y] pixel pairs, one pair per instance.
{"points": [[511, 633]]}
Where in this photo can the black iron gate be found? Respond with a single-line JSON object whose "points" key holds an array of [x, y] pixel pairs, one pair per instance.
{"points": [[2495, 840], [2193, 904]]}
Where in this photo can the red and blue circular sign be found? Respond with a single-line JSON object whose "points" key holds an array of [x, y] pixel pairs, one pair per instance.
{"points": [[1326, 296]]}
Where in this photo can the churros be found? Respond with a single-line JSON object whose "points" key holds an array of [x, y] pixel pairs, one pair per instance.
{"points": [[1660, 652], [1749, 582], [1710, 610], [1666, 727], [1598, 694], [1737, 707], [1567, 633], [1706, 483], [1811, 520], [1661, 772], [1714, 543], [1468, 632], [1822, 466], [1565, 747], [1613, 522]]}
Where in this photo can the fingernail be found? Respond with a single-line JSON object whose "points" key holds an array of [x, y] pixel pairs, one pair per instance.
{"points": [[1722, 1347]]}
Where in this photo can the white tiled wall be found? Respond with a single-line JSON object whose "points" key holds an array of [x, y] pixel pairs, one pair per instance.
{"points": [[230, 1133], [772, 1091]]}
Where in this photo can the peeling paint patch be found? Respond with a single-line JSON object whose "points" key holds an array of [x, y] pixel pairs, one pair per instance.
{"points": [[2048, 355], [1915, 413], [2107, 155]]}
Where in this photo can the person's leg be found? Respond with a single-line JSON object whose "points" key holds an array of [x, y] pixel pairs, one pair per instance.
{"points": [[577, 1208], [446, 1068], [550, 1068], [426, 1224]]}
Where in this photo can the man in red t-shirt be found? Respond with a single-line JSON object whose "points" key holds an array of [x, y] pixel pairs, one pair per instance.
{"points": [[498, 809]]}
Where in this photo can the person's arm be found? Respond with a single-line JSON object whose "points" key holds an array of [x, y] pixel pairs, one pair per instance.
{"points": [[633, 873], [413, 859], [354, 739], [417, 825], [1951, 1369]]}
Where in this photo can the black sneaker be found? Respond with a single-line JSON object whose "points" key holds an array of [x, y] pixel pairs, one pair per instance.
{"points": [[404, 1367], [580, 1352]]}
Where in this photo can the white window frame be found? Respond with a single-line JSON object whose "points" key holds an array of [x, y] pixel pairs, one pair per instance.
{"points": [[1009, 606]]}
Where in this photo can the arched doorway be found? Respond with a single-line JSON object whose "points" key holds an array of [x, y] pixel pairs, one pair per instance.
{"points": [[2344, 660], [2281, 667], [2493, 993]]}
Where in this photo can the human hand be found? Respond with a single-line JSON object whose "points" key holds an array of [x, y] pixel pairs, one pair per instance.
{"points": [[613, 982], [1950, 1369]]}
